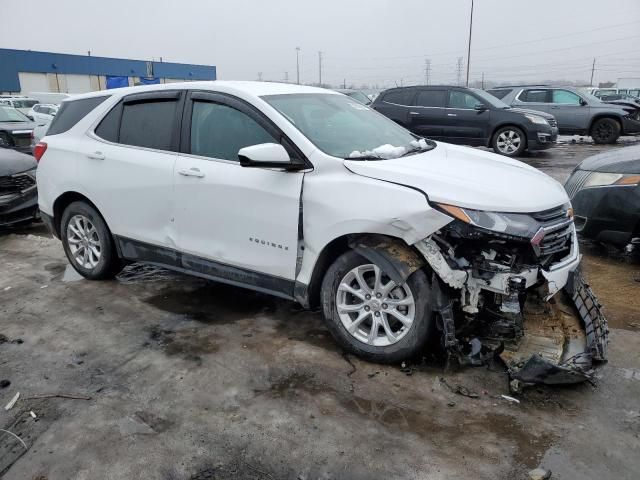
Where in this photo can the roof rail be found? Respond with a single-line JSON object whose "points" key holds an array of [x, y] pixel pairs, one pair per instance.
{"points": [[523, 85]]}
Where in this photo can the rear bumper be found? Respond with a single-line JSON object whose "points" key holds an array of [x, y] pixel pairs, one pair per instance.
{"points": [[16, 208]]}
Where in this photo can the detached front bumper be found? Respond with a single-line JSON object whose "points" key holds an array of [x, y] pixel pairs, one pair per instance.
{"points": [[544, 323], [630, 126]]}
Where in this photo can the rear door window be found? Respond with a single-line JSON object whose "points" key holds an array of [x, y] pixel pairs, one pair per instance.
{"points": [[71, 112], [149, 124], [430, 98], [399, 97], [534, 96]]}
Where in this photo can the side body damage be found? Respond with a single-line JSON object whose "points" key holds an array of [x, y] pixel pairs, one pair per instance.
{"points": [[522, 298]]}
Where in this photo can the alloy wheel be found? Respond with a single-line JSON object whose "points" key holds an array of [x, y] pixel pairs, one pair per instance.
{"points": [[508, 141], [603, 131], [84, 242], [373, 308]]}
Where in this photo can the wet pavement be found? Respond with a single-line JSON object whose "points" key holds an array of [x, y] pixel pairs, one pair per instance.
{"points": [[190, 379]]}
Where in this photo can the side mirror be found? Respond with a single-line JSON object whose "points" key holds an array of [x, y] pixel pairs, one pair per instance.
{"points": [[266, 155], [480, 107], [583, 102]]}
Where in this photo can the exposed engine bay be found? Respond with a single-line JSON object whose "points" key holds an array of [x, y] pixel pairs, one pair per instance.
{"points": [[521, 297]]}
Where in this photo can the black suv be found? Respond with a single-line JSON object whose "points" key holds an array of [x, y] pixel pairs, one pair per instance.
{"points": [[467, 116]]}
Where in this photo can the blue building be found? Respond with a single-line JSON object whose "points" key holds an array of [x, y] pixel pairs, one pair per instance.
{"points": [[25, 71]]}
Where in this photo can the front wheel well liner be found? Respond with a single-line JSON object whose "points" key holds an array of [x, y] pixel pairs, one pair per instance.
{"points": [[400, 251]]}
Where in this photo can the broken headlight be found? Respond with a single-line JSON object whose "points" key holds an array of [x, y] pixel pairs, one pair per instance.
{"points": [[517, 224]]}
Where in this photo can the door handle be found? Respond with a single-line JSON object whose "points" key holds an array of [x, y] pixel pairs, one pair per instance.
{"points": [[192, 172], [414, 113], [96, 156], [452, 114]]}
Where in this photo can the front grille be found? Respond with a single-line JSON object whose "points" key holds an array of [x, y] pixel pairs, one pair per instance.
{"points": [[16, 183], [551, 216], [555, 234], [556, 240], [575, 182]]}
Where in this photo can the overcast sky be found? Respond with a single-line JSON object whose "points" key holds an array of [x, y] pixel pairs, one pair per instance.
{"points": [[363, 41]]}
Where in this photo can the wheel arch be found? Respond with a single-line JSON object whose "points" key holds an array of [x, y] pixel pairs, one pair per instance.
{"points": [[600, 116], [398, 258], [63, 201]]}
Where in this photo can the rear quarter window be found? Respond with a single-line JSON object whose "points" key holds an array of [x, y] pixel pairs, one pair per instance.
{"points": [[399, 97], [71, 112]]}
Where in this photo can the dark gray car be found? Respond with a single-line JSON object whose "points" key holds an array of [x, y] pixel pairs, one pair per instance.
{"points": [[576, 112]]}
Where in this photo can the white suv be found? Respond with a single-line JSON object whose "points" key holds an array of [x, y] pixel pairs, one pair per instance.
{"points": [[43, 112], [309, 195]]}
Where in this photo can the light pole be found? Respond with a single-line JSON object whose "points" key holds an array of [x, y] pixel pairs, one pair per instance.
{"points": [[469, 47], [298, 65]]}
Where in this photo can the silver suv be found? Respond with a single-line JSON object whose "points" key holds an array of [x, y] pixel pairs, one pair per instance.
{"points": [[576, 112]]}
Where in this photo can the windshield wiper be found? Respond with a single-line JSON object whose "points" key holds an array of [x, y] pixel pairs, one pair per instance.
{"points": [[365, 157]]}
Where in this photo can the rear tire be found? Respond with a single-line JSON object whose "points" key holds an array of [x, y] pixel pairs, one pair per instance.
{"points": [[605, 130], [509, 141], [402, 314], [88, 243]]}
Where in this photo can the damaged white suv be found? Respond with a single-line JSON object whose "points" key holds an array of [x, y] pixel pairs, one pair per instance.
{"points": [[309, 195]]}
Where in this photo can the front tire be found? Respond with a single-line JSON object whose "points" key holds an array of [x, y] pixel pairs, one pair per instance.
{"points": [[605, 130], [88, 243], [509, 141], [372, 317]]}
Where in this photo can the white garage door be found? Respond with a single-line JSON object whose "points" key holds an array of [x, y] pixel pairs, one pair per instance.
{"points": [[33, 82], [78, 83]]}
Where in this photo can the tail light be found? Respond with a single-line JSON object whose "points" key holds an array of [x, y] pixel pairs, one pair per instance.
{"points": [[39, 150]]}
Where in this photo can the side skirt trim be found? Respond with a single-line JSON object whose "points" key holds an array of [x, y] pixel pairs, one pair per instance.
{"points": [[137, 251]]}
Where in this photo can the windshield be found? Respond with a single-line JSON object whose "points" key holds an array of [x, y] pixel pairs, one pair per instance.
{"points": [[344, 128], [24, 103], [8, 114], [489, 99]]}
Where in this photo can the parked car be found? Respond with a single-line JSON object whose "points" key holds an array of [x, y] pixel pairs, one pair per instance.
{"points": [[600, 92], [577, 112], [43, 112], [18, 193], [302, 193], [467, 116], [605, 194], [21, 103], [356, 95], [15, 130], [624, 100]]}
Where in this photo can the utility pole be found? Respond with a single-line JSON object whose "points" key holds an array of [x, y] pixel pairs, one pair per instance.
{"points": [[320, 69], [459, 71], [593, 68], [427, 71], [344, 83], [469, 47], [286, 77], [298, 65], [259, 76], [482, 80]]}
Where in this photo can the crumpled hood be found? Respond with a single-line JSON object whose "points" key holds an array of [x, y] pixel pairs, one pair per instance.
{"points": [[469, 178]]}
